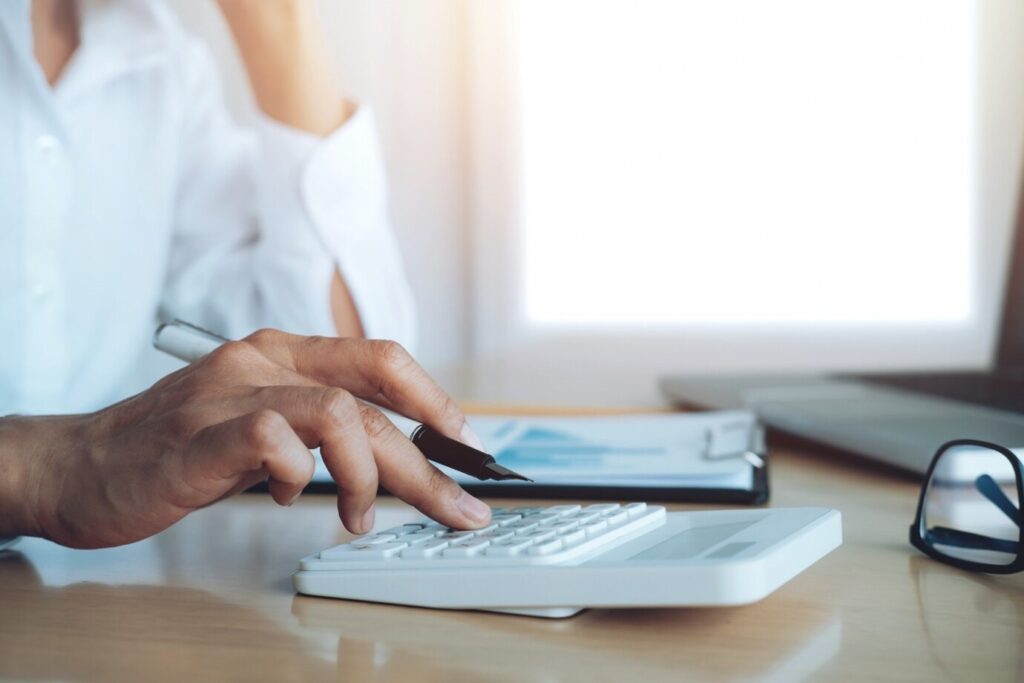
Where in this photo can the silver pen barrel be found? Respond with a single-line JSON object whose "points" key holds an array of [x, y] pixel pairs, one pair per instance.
{"points": [[185, 341]]}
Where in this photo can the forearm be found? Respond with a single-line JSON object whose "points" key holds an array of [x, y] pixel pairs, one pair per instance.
{"points": [[294, 83], [28, 446], [286, 59], [343, 308]]}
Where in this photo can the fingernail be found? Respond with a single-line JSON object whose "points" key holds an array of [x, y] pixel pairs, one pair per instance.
{"points": [[294, 498], [470, 438], [475, 509], [368, 517]]}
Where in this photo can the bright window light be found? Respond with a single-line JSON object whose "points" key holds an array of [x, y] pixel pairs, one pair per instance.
{"points": [[746, 161]]}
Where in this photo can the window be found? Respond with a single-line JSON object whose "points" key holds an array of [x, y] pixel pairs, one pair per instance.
{"points": [[746, 161], [735, 184]]}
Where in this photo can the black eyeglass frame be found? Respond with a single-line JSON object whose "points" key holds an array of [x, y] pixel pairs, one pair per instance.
{"points": [[918, 541]]}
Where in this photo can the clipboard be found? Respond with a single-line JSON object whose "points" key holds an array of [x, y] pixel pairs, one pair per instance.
{"points": [[708, 457], [703, 457]]}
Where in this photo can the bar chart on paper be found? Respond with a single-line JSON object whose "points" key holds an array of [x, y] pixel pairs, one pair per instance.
{"points": [[663, 454], [703, 450]]}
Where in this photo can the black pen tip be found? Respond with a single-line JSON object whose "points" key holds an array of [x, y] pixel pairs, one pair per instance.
{"points": [[504, 473]]}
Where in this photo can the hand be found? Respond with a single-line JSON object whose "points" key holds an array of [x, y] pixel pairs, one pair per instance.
{"points": [[249, 411]]}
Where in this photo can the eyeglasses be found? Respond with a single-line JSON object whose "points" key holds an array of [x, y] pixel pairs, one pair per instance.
{"points": [[969, 514]]}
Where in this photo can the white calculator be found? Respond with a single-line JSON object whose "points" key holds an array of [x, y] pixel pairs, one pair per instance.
{"points": [[555, 561]]}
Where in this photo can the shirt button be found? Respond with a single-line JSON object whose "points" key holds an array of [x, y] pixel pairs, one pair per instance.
{"points": [[48, 144]]}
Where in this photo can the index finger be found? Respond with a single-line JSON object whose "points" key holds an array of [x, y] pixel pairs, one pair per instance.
{"points": [[379, 371], [404, 472]]}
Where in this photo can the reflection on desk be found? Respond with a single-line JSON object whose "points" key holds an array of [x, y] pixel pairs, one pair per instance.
{"points": [[479, 647], [100, 632], [992, 651], [211, 599]]}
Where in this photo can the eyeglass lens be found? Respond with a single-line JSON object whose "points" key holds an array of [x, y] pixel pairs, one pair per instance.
{"points": [[970, 506]]}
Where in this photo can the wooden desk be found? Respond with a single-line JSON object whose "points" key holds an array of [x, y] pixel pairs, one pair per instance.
{"points": [[210, 599]]}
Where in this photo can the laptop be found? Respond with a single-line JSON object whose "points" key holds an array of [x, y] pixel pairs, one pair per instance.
{"points": [[897, 418]]}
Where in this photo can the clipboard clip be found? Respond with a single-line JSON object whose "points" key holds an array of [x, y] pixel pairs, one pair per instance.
{"points": [[754, 451]]}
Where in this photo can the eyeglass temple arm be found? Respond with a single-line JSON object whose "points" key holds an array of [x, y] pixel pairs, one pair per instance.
{"points": [[941, 535], [988, 487]]}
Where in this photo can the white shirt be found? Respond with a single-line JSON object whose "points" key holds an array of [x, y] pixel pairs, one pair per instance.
{"points": [[127, 194]]}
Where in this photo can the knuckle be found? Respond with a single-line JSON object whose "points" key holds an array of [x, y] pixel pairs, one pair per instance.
{"points": [[438, 484], [266, 336], [338, 405], [233, 354], [263, 428], [316, 340], [316, 344], [390, 355], [449, 410], [376, 424]]}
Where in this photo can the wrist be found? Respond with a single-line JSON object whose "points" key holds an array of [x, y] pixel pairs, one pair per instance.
{"points": [[29, 448]]}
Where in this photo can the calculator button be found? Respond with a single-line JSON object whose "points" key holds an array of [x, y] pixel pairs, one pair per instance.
{"points": [[508, 547], [426, 550], [546, 547], [616, 517], [584, 517], [413, 539], [562, 509], [375, 539], [498, 511], [467, 548], [635, 509], [562, 537], [537, 535], [602, 508], [359, 553], [401, 530], [502, 520], [572, 537], [527, 511], [544, 520]]}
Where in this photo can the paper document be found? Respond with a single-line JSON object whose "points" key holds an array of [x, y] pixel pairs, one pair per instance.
{"points": [[704, 450], [719, 449]]}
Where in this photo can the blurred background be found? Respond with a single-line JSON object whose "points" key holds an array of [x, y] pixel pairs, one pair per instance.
{"points": [[637, 187]]}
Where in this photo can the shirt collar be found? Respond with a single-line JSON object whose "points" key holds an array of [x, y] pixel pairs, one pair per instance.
{"points": [[116, 37]]}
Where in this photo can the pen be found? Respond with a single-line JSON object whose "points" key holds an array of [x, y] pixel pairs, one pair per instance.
{"points": [[189, 342], [457, 455]]}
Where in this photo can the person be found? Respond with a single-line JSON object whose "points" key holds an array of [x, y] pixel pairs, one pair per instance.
{"points": [[128, 195]]}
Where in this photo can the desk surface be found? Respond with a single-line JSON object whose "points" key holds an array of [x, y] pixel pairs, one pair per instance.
{"points": [[211, 599]]}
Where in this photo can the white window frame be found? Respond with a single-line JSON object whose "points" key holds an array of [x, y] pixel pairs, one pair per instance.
{"points": [[500, 328]]}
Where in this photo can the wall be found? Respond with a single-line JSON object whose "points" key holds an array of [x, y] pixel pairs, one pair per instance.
{"points": [[404, 57]]}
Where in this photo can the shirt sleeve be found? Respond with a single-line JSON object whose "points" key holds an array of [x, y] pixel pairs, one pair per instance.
{"points": [[265, 215]]}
